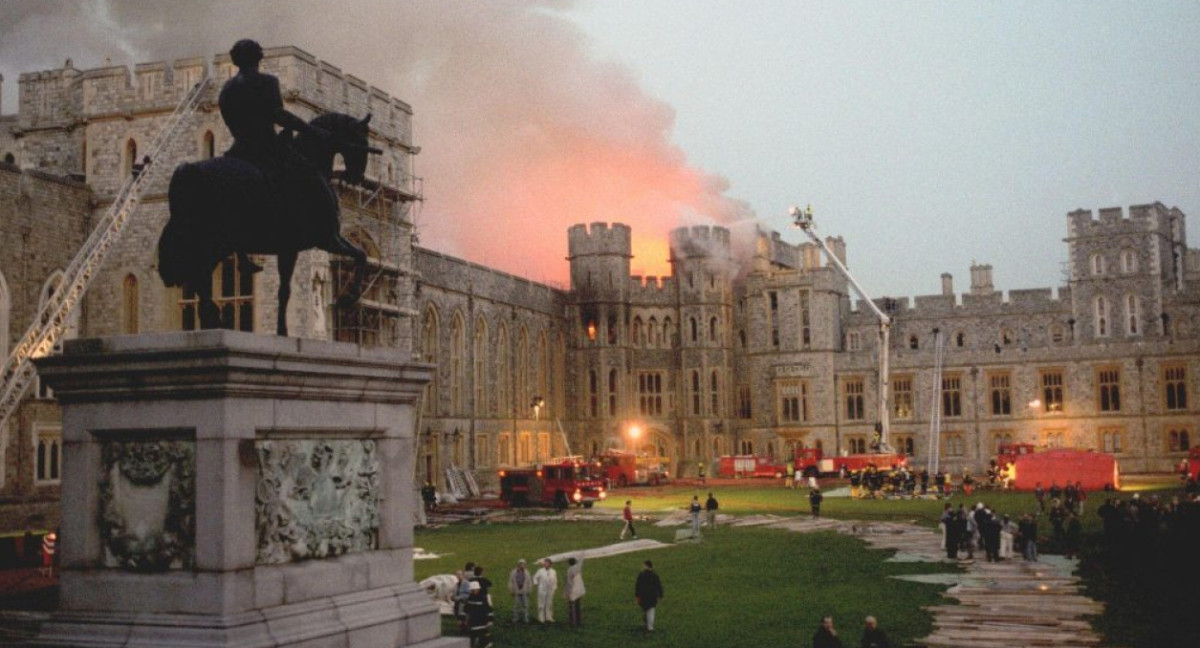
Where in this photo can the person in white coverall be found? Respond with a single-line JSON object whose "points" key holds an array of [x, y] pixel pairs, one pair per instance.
{"points": [[546, 582]]}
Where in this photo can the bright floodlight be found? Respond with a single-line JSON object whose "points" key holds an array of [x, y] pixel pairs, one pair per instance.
{"points": [[635, 431]]}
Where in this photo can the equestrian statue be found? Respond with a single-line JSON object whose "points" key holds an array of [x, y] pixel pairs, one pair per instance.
{"points": [[270, 193]]}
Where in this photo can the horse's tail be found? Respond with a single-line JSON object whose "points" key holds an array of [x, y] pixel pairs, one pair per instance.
{"points": [[177, 244]]}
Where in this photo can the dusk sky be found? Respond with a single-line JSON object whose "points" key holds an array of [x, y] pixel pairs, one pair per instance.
{"points": [[927, 134]]}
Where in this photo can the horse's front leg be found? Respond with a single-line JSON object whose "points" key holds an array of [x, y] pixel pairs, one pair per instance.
{"points": [[287, 266], [210, 315]]}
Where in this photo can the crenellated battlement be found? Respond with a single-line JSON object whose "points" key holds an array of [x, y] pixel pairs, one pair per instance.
{"points": [[700, 242], [651, 290], [1116, 220], [60, 97], [599, 238]]}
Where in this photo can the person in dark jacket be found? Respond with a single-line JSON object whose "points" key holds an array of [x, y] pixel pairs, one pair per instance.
{"points": [[479, 617], [826, 636], [648, 591], [814, 500], [873, 637]]}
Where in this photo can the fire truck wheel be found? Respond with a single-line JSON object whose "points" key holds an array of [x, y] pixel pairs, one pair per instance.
{"points": [[654, 481], [588, 504]]}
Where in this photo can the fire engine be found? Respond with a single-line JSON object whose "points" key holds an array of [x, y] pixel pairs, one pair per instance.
{"points": [[622, 468], [558, 482], [811, 461], [1193, 463], [1023, 468], [749, 466]]}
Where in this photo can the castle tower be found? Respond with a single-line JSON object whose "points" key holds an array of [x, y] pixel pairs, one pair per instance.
{"points": [[1120, 268], [703, 267], [598, 318]]}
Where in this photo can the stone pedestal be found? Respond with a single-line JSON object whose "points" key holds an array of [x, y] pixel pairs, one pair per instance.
{"points": [[228, 489]]}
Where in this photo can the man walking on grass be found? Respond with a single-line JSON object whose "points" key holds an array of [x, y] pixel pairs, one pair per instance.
{"points": [[627, 516], [648, 590]]}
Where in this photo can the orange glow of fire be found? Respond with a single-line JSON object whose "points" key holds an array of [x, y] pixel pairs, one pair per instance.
{"points": [[528, 205]]}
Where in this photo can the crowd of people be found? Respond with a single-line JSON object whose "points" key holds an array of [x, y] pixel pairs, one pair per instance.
{"points": [[474, 606]]}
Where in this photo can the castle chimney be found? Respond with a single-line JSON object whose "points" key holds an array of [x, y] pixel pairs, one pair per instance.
{"points": [[981, 279], [947, 284]]}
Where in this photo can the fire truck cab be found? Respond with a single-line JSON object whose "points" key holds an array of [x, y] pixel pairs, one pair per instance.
{"points": [[558, 482]]}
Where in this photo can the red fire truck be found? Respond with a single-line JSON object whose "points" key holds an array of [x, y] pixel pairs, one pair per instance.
{"points": [[1193, 463], [750, 466], [558, 482], [812, 461], [1021, 467], [623, 468]]}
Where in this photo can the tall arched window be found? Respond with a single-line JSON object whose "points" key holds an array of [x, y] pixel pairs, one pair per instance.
{"points": [[129, 305], [612, 392], [695, 393], [503, 372], [712, 330], [637, 340], [1133, 315], [695, 333], [653, 332], [521, 393], [131, 156], [715, 393], [5, 309], [1101, 317], [668, 333], [593, 394], [479, 361], [1097, 263], [1129, 262], [545, 367], [429, 353], [458, 369], [208, 146]]}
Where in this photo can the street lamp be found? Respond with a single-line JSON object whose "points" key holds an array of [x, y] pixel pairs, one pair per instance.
{"points": [[634, 433], [537, 404]]}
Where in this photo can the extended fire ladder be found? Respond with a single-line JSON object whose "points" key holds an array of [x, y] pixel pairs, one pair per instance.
{"points": [[935, 407], [53, 318]]}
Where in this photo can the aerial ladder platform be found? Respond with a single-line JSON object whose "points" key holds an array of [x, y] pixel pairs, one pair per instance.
{"points": [[53, 318]]}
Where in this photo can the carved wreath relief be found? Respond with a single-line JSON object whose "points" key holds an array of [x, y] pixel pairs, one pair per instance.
{"points": [[148, 504], [316, 499]]}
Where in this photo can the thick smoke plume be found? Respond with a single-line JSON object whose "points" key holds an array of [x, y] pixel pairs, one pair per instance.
{"points": [[522, 132]]}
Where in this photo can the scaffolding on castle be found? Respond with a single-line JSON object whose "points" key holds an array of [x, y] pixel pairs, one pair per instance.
{"points": [[54, 318], [375, 217]]}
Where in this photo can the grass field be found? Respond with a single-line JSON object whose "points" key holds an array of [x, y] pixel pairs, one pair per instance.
{"points": [[740, 586]]}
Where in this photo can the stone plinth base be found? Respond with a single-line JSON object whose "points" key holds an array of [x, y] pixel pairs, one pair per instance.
{"points": [[230, 490]]}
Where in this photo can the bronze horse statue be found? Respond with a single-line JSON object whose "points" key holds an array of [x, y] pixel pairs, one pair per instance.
{"points": [[225, 205]]}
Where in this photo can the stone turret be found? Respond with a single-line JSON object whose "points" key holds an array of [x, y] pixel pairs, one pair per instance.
{"points": [[981, 279]]}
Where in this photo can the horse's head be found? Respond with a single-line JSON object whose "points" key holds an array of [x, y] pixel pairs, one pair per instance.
{"points": [[348, 136]]}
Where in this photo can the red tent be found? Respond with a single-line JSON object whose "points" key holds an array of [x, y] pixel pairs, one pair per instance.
{"points": [[1094, 470]]}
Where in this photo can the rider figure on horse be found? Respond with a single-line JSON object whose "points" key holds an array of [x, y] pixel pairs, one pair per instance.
{"points": [[251, 105]]}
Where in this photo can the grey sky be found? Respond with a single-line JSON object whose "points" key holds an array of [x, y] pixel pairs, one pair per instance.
{"points": [[927, 134]]}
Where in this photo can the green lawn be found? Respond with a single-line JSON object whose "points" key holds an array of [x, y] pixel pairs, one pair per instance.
{"points": [[741, 586]]}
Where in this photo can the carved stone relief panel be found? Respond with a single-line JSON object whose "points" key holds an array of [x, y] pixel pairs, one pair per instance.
{"points": [[315, 498], [148, 504]]}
